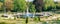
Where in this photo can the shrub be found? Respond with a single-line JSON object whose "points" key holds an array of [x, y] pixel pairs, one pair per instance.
{"points": [[3, 23]]}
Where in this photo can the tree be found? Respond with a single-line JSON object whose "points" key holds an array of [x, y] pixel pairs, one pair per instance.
{"points": [[1, 4], [31, 7], [49, 3], [38, 5], [9, 5], [1, 0], [20, 5]]}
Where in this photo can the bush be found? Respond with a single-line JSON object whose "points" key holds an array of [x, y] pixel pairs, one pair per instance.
{"points": [[3, 23], [14, 18], [36, 19]]}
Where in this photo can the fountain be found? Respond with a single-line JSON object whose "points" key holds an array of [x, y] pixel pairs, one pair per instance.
{"points": [[27, 13]]}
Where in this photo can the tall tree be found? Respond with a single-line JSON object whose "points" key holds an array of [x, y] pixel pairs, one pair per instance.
{"points": [[49, 3], [9, 5], [1, 0], [20, 5], [1, 4], [31, 7], [38, 5]]}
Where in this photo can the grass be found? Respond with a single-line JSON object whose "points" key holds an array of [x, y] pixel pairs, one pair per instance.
{"points": [[6, 23], [22, 21]]}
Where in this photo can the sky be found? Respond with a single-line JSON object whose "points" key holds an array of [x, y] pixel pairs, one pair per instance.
{"points": [[56, 0], [32, 0], [29, 0]]}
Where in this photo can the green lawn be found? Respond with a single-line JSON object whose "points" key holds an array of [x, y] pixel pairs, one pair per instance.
{"points": [[23, 21]]}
